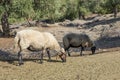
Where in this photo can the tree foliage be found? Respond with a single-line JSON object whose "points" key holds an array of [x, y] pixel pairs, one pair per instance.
{"points": [[56, 10], [112, 6]]}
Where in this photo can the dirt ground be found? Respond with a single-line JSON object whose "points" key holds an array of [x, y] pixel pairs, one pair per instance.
{"points": [[104, 65], [95, 67]]}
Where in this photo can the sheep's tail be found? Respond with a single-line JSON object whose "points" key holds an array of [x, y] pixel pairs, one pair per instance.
{"points": [[17, 42], [65, 43]]}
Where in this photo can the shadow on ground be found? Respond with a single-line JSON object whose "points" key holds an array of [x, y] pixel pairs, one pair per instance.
{"points": [[108, 42], [32, 56], [102, 22]]}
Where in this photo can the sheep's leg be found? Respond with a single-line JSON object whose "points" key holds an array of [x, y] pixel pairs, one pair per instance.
{"points": [[68, 53], [93, 49], [82, 49], [41, 56], [20, 58], [67, 49], [48, 52]]}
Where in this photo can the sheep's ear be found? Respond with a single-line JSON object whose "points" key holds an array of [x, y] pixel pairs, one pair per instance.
{"points": [[86, 44], [62, 50]]}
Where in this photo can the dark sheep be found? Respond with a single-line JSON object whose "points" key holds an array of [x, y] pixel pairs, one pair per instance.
{"points": [[78, 40]]}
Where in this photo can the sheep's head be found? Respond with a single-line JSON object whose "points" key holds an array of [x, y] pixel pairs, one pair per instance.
{"points": [[93, 48], [62, 55], [92, 45], [88, 44]]}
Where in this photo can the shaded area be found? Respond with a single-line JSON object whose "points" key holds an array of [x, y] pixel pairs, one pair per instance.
{"points": [[101, 22], [90, 23], [108, 42], [27, 56], [7, 56]]}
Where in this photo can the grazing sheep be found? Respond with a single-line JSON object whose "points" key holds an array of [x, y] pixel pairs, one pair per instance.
{"points": [[36, 41], [77, 40]]}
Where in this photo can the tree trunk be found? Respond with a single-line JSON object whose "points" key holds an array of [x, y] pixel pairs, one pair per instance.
{"points": [[115, 11], [81, 16], [5, 25]]}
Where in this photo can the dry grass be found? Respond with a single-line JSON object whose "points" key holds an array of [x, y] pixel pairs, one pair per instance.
{"points": [[95, 67]]}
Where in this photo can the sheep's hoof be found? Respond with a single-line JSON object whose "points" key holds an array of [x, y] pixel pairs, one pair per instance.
{"points": [[41, 62], [49, 60], [93, 53], [64, 61], [69, 55], [81, 55], [20, 64]]}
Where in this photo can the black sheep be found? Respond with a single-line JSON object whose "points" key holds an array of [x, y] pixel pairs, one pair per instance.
{"points": [[78, 40]]}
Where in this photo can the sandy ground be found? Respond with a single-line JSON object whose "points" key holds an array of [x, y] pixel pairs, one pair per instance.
{"points": [[104, 65]]}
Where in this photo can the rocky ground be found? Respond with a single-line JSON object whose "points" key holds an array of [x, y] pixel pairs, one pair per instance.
{"points": [[103, 30]]}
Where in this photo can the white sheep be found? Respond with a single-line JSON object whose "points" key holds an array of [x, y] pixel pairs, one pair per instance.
{"points": [[35, 40]]}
